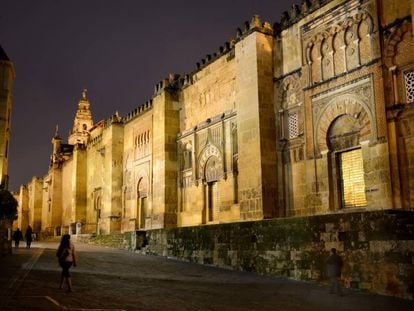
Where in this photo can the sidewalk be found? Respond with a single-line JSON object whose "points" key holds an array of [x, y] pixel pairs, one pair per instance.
{"points": [[110, 279]]}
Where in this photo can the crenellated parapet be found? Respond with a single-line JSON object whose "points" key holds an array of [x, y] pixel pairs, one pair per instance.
{"points": [[138, 111], [96, 140], [172, 83], [296, 13], [114, 119], [255, 24]]}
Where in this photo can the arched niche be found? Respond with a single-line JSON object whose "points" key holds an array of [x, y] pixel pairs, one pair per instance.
{"points": [[344, 133], [347, 181], [344, 105], [400, 40], [142, 201]]}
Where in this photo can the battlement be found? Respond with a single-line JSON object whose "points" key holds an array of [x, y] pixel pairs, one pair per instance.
{"points": [[255, 24], [137, 111], [176, 82], [95, 140], [115, 118], [296, 13], [172, 83]]}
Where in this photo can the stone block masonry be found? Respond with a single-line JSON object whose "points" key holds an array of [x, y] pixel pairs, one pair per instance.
{"points": [[377, 248]]}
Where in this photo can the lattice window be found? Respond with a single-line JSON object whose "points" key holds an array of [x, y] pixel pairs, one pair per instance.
{"points": [[409, 86], [293, 125]]}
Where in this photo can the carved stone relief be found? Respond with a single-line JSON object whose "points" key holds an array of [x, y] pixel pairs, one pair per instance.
{"points": [[395, 45], [210, 164], [354, 100], [399, 40], [186, 150], [344, 43], [213, 169], [290, 98]]}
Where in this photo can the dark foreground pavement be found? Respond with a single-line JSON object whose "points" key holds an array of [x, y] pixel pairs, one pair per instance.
{"points": [[108, 279]]}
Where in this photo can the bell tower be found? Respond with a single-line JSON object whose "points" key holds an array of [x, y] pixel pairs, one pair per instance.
{"points": [[83, 122]]}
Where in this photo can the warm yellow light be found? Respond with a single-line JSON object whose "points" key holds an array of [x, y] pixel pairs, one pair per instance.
{"points": [[353, 184]]}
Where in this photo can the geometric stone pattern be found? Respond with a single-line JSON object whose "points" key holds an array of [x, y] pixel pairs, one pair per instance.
{"points": [[293, 125], [340, 42], [289, 100], [409, 86], [342, 105]]}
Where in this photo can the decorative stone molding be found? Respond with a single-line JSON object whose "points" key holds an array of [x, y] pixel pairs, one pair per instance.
{"points": [[339, 41], [356, 100], [210, 164], [289, 101], [394, 36]]}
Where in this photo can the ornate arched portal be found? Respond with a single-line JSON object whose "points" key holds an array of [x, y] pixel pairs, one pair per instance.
{"points": [[210, 171], [343, 126], [344, 105]]}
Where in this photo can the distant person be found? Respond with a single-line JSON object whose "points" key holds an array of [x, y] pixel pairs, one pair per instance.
{"points": [[28, 236], [66, 258], [17, 236], [333, 269]]}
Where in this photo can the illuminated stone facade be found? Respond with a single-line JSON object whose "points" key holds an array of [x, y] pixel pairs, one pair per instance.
{"points": [[7, 76], [313, 115]]}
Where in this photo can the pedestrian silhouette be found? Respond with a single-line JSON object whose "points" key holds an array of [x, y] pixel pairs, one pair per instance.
{"points": [[66, 258], [17, 236], [333, 269], [28, 236]]}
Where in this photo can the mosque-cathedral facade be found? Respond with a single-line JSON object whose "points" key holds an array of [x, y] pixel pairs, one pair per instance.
{"points": [[313, 115]]}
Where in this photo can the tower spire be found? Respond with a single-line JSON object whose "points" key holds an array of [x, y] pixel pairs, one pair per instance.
{"points": [[57, 131], [84, 94], [83, 121]]}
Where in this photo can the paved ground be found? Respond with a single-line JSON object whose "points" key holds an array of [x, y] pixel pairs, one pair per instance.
{"points": [[108, 279]]}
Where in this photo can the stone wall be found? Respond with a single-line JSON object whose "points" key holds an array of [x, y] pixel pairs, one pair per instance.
{"points": [[35, 203], [95, 162], [125, 240], [377, 248], [69, 189], [137, 168], [23, 208], [7, 76]]}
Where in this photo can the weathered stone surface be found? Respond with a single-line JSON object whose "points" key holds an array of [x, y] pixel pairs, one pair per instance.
{"points": [[312, 118], [7, 76], [374, 259]]}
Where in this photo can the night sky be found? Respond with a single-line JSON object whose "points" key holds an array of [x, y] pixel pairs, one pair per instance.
{"points": [[117, 50]]}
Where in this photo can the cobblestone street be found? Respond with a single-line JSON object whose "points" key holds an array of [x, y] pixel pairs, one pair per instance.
{"points": [[109, 279]]}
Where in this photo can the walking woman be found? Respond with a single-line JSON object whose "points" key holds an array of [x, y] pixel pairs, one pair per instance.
{"points": [[66, 257]]}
